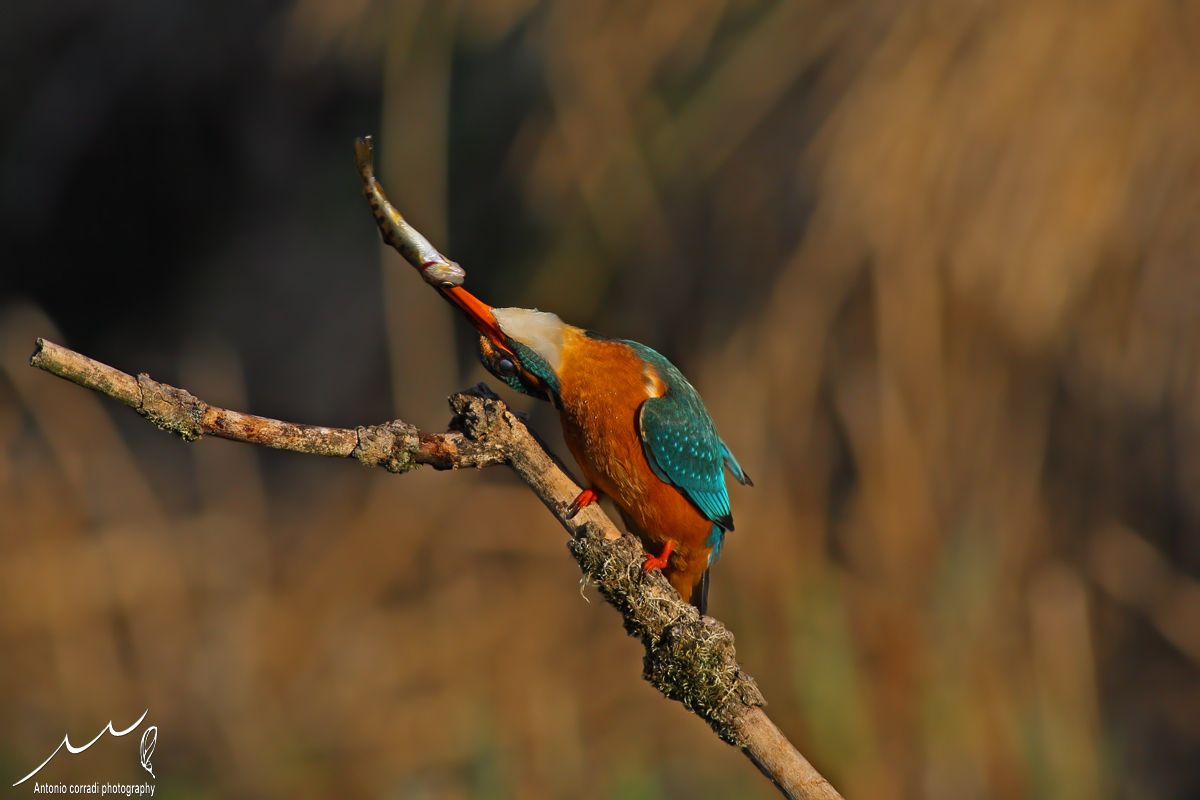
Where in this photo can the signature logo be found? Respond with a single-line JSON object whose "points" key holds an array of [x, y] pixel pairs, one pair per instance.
{"points": [[149, 738]]}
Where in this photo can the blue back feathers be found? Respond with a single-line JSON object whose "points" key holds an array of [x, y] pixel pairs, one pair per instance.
{"points": [[682, 445]]}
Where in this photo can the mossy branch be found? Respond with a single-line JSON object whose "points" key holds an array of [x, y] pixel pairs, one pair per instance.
{"points": [[688, 657]]}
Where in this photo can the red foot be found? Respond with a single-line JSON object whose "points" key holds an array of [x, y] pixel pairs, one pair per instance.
{"points": [[586, 497], [661, 561]]}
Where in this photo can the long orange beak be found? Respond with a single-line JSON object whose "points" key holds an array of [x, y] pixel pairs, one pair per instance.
{"points": [[479, 313]]}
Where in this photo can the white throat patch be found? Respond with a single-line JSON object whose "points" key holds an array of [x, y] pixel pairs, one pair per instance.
{"points": [[540, 331]]}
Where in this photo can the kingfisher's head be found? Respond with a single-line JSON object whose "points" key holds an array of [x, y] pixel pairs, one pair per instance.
{"points": [[520, 346]]}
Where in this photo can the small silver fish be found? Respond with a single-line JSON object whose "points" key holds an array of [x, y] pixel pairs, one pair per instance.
{"points": [[435, 268]]}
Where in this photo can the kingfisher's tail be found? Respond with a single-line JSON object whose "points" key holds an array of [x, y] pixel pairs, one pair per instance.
{"points": [[735, 467]]}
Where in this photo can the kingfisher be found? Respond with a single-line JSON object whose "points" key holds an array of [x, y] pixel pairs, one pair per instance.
{"points": [[638, 430]]}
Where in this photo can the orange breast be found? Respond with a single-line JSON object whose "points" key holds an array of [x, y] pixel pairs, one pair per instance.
{"points": [[603, 385]]}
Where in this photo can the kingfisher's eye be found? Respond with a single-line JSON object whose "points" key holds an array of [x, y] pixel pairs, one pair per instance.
{"points": [[507, 367]]}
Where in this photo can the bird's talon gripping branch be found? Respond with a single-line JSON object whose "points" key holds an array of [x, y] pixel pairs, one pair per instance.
{"points": [[585, 498], [660, 561]]}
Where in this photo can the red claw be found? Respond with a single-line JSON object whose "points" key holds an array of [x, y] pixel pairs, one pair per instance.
{"points": [[586, 497], [659, 562]]}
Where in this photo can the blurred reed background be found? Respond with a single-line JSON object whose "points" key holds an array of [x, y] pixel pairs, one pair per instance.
{"points": [[933, 265]]}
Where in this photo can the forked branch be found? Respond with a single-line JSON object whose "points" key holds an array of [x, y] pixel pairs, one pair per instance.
{"points": [[689, 658]]}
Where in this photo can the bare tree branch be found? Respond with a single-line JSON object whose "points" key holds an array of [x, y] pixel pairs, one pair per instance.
{"points": [[689, 658]]}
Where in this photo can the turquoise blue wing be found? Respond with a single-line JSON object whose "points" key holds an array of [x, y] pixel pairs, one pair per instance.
{"points": [[681, 442]]}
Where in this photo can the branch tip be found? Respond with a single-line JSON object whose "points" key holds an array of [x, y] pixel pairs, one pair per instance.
{"points": [[477, 411]]}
